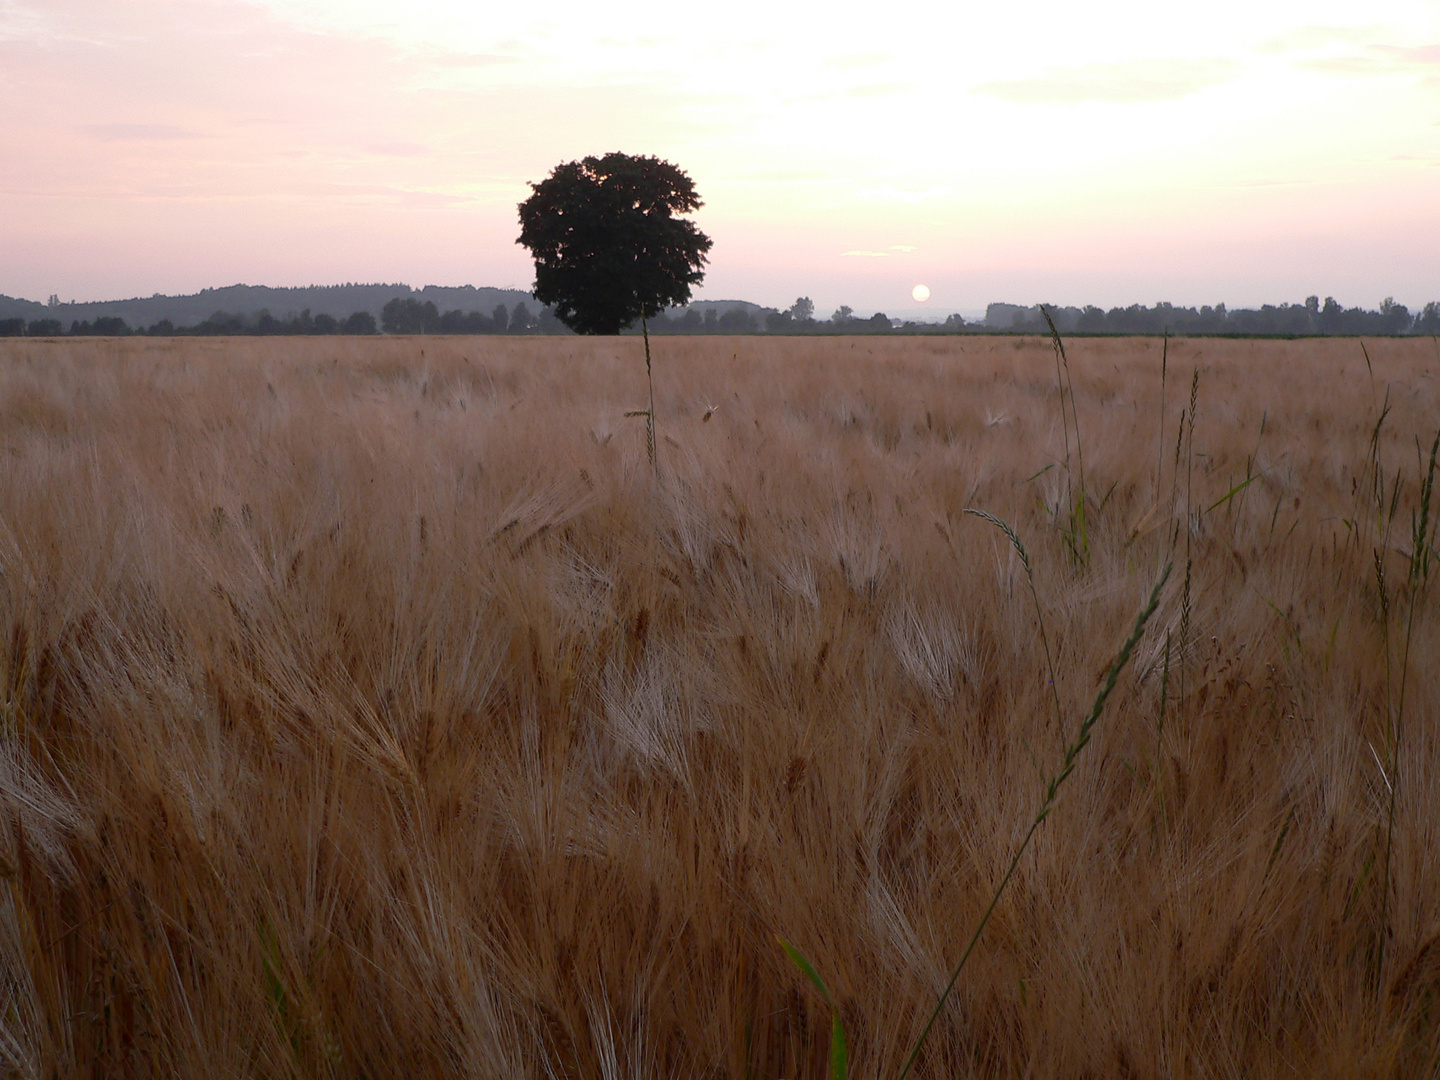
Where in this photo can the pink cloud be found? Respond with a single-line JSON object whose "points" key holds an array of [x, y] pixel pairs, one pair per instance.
{"points": [[1118, 83], [139, 132], [1423, 60]]}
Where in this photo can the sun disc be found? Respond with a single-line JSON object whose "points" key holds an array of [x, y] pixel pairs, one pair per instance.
{"points": [[921, 293]]}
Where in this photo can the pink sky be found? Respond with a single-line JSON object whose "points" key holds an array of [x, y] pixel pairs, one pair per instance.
{"points": [[1123, 153]]}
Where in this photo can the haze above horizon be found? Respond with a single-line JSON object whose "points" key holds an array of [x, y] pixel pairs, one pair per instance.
{"points": [[1106, 155]]}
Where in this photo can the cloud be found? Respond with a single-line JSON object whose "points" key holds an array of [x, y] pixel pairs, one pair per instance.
{"points": [[1126, 82], [892, 193], [1355, 51], [1423, 60], [392, 195], [855, 61], [1307, 38], [473, 60], [870, 90], [140, 132], [776, 175], [1422, 54], [1348, 65], [399, 149]]}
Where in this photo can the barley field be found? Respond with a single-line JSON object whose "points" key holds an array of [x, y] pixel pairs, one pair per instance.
{"points": [[369, 708]]}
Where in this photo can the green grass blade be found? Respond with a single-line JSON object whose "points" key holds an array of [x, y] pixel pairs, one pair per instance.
{"points": [[807, 969], [1019, 547], [1072, 752], [1232, 493], [839, 1049], [839, 1054]]}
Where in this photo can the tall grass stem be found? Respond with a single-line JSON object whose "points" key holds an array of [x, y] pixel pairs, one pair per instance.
{"points": [[1052, 792]]}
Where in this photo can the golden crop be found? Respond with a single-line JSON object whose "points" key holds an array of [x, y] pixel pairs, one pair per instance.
{"points": [[368, 709]]}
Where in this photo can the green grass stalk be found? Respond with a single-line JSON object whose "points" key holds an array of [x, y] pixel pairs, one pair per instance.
{"points": [[1052, 793], [1019, 547], [650, 413], [1418, 578]]}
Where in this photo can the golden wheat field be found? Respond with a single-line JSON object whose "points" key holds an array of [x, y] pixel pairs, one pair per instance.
{"points": [[368, 708]]}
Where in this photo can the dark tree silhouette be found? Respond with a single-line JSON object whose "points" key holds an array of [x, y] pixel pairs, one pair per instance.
{"points": [[1428, 322], [406, 315], [607, 244], [737, 321], [104, 326], [362, 322]]}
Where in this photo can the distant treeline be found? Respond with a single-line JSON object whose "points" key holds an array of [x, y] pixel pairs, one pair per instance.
{"points": [[218, 324], [408, 315], [1285, 320], [399, 316], [1311, 318], [799, 319], [249, 301]]}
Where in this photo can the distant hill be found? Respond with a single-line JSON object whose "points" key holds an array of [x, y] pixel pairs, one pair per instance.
{"points": [[722, 307], [336, 300]]}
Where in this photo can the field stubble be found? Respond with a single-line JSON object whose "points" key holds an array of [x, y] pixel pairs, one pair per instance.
{"points": [[368, 709]]}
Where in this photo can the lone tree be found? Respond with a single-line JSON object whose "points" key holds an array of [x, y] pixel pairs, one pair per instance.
{"points": [[608, 246]]}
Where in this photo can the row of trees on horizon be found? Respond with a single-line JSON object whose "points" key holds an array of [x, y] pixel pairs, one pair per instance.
{"points": [[1289, 320], [410, 316]]}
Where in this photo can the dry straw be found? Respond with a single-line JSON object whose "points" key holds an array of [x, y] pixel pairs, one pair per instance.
{"points": [[367, 709]]}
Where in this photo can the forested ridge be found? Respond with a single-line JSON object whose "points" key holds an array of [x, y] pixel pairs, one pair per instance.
{"points": [[399, 309]]}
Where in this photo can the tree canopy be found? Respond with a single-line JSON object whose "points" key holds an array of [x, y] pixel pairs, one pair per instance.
{"points": [[608, 245]]}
